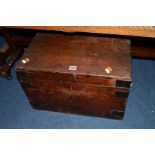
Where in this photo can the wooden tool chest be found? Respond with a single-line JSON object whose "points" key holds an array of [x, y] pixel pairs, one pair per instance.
{"points": [[86, 75]]}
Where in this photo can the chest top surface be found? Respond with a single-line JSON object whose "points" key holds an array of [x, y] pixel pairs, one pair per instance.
{"points": [[84, 55]]}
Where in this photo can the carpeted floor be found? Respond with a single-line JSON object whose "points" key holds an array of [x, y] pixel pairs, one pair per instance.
{"points": [[16, 112]]}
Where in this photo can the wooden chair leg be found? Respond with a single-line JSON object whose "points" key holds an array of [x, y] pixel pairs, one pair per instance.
{"points": [[4, 52], [13, 51], [5, 70]]}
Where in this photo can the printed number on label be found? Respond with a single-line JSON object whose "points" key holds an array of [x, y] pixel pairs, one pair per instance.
{"points": [[72, 68]]}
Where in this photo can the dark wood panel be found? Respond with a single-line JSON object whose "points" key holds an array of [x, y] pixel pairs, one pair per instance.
{"points": [[143, 52], [85, 104]]}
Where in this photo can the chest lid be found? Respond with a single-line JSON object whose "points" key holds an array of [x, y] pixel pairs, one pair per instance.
{"points": [[74, 58]]}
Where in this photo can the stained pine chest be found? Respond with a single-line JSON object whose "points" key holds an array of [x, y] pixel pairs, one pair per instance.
{"points": [[85, 75]]}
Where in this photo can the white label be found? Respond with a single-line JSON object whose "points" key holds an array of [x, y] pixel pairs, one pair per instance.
{"points": [[72, 68]]}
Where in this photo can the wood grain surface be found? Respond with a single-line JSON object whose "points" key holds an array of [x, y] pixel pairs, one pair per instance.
{"points": [[142, 31], [92, 55], [89, 89]]}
